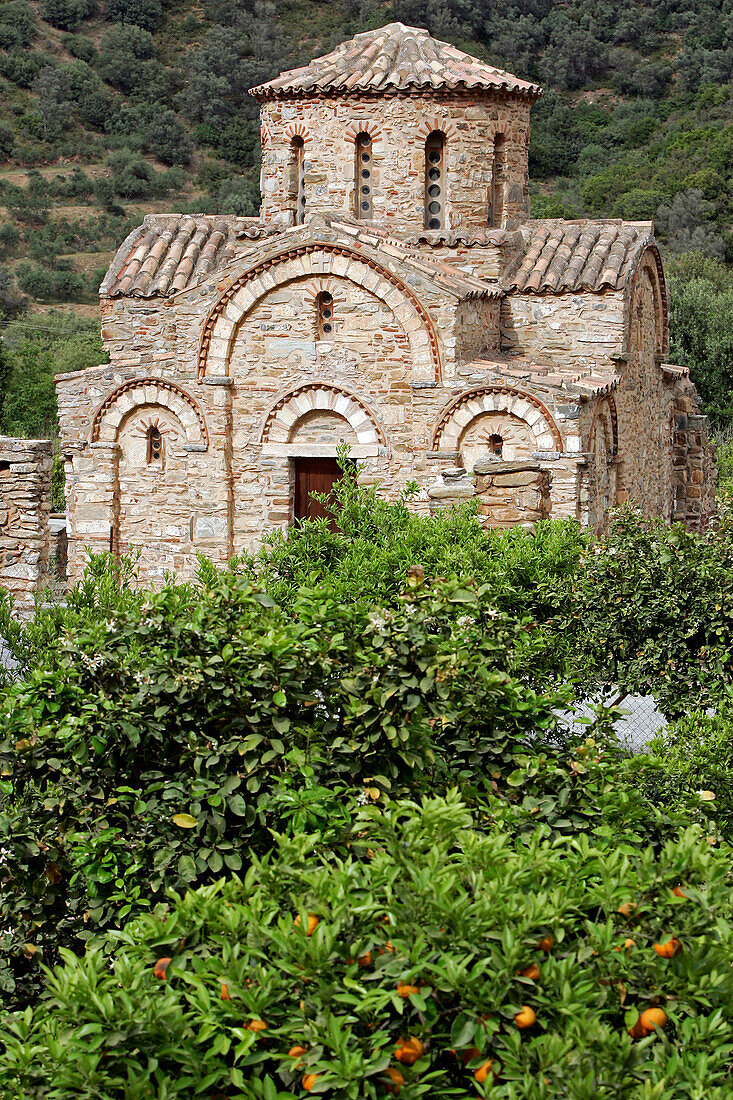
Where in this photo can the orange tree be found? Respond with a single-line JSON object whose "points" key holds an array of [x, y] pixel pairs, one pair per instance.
{"points": [[158, 744], [435, 959]]}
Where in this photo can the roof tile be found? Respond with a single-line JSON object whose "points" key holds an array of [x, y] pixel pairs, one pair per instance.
{"points": [[394, 57], [561, 257]]}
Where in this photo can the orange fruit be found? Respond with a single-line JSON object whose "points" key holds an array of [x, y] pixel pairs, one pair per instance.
{"points": [[668, 949], [387, 947], [160, 968], [482, 1072], [409, 1050], [313, 922], [627, 945], [525, 1017], [396, 1078], [468, 1055], [309, 1081], [364, 960], [225, 993], [679, 892], [532, 971], [295, 1052], [404, 989], [255, 1025], [546, 943], [653, 1017], [627, 908]]}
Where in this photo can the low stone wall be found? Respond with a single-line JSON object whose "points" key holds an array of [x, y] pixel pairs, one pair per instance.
{"points": [[509, 494], [25, 504]]}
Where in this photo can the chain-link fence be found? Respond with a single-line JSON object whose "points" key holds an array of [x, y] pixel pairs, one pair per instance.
{"points": [[640, 721]]}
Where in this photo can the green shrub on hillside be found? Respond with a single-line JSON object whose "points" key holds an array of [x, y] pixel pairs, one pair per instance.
{"points": [[435, 959]]}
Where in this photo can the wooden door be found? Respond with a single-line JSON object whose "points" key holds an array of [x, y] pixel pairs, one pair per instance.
{"points": [[314, 475]]}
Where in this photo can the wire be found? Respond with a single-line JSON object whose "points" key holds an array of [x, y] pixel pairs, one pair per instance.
{"points": [[5, 323]]}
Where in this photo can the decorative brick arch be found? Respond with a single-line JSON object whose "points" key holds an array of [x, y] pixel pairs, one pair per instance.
{"points": [[605, 406], [321, 397], [320, 260], [442, 125], [456, 417], [297, 129], [649, 261], [368, 126], [148, 391]]}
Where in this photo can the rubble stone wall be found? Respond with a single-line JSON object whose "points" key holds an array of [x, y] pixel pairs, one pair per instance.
{"points": [[399, 125], [508, 494], [566, 328], [25, 505]]}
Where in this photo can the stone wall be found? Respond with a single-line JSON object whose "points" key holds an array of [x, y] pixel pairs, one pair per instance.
{"points": [[508, 494], [399, 126], [25, 505], [567, 329]]}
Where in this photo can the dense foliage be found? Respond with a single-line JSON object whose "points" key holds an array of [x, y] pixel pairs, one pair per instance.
{"points": [[151, 749], [370, 743], [438, 958]]}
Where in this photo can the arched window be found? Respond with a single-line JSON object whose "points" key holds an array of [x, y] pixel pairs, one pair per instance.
{"points": [[325, 316], [296, 185], [498, 180], [496, 445], [155, 446], [363, 175], [435, 180]]}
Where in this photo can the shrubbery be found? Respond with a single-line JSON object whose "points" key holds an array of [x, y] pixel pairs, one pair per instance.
{"points": [[301, 720], [438, 958], [146, 753]]}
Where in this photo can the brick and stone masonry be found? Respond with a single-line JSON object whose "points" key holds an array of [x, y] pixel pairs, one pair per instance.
{"points": [[393, 294], [25, 504]]}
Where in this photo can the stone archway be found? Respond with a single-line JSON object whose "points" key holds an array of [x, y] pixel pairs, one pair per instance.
{"points": [[527, 418], [320, 260], [321, 409], [140, 392]]}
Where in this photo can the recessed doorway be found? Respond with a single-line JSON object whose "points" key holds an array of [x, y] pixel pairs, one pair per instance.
{"points": [[315, 475]]}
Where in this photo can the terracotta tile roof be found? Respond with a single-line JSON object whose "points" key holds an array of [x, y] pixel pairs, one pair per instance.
{"points": [[562, 256], [464, 236], [170, 252], [544, 375], [394, 58], [460, 283]]}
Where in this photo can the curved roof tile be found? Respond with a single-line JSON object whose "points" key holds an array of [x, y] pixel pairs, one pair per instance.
{"points": [[393, 58], [170, 252], [561, 257]]}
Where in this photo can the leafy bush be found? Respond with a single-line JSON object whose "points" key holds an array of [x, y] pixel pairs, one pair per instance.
{"points": [[652, 611], [369, 557], [144, 751], [689, 766], [435, 959], [67, 15]]}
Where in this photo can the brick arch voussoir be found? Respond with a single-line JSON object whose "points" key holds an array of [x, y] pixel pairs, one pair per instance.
{"points": [[605, 405], [222, 323], [139, 392], [308, 397], [443, 125], [453, 421], [367, 126], [649, 261], [297, 129]]}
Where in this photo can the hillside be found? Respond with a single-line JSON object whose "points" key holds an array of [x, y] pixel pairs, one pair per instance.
{"points": [[121, 107]]}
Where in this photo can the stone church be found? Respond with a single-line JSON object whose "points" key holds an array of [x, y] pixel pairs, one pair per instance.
{"points": [[394, 294]]}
